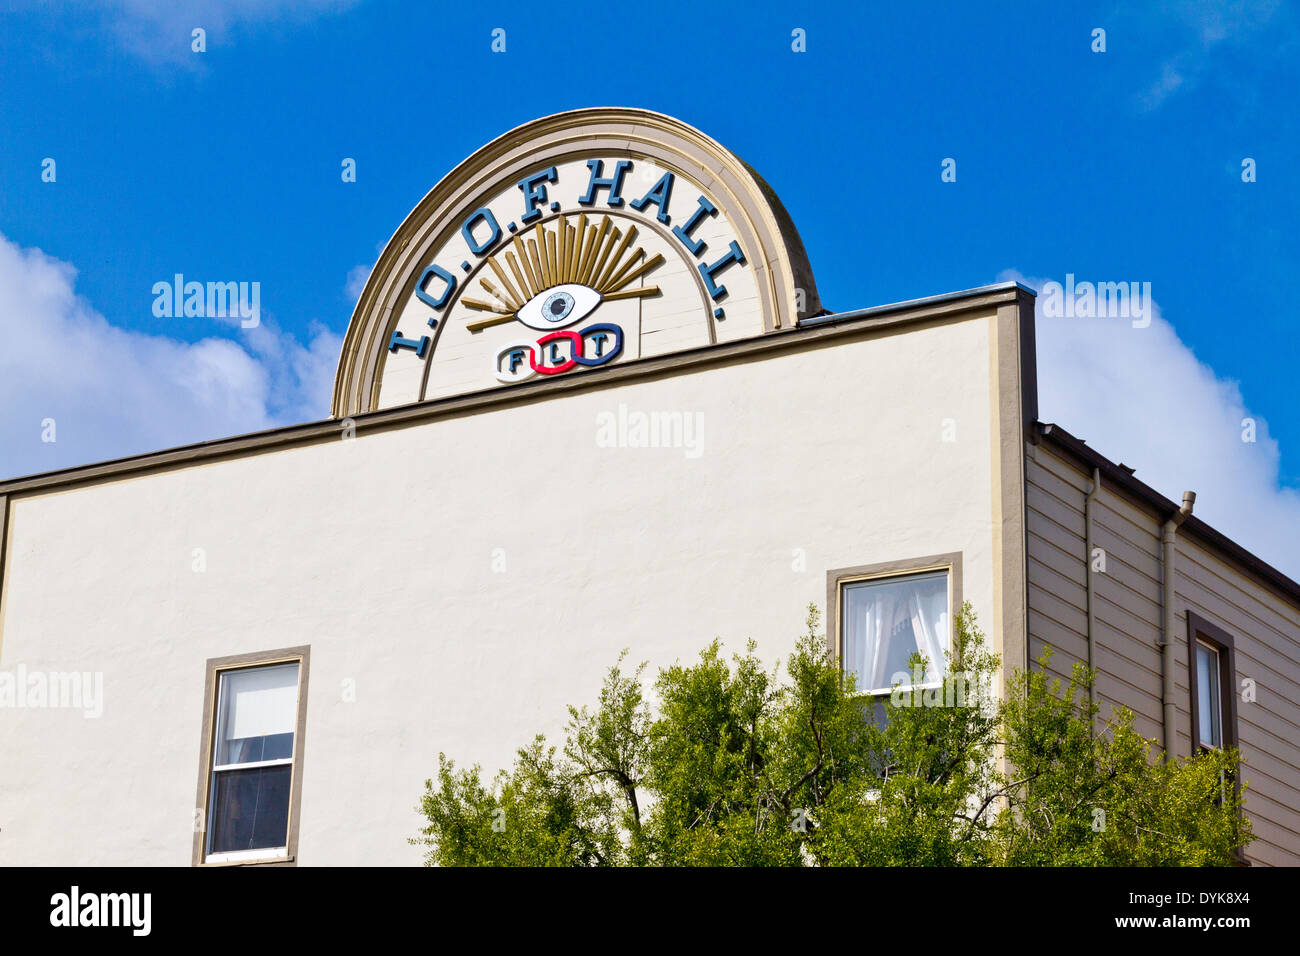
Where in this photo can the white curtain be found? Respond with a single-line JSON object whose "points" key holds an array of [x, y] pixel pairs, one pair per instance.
{"points": [[887, 620], [929, 612], [865, 614]]}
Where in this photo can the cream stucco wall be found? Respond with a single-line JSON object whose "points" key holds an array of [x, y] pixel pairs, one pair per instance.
{"points": [[378, 553]]}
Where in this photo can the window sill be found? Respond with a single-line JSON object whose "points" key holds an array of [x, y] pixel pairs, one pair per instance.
{"points": [[270, 859]]}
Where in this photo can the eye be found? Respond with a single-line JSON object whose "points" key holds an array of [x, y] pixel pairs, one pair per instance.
{"points": [[558, 306]]}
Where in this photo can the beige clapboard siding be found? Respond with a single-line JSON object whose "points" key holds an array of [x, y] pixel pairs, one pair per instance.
{"points": [[1274, 843], [1272, 635], [1274, 733], [1066, 486], [1061, 586], [1256, 660], [1136, 545], [1272, 846], [1143, 675], [1061, 619], [1128, 619], [1128, 611], [1265, 774], [1068, 642], [1266, 638], [1065, 542], [1055, 536], [1126, 584], [1069, 571], [1060, 512]]}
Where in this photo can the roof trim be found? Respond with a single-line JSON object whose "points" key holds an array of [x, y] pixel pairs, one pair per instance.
{"points": [[919, 303], [805, 335], [1079, 450]]}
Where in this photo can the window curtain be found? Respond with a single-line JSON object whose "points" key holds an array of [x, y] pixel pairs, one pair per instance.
{"points": [[866, 612], [929, 612], [888, 620]]}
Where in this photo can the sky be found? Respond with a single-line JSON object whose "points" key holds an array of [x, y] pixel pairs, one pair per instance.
{"points": [[1115, 165]]}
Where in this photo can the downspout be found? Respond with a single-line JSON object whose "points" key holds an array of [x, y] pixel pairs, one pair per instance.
{"points": [[1088, 568], [1170, 620]]}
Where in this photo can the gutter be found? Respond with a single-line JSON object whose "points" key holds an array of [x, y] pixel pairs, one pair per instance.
{"points": [[1119, 479], [1167, 537]]}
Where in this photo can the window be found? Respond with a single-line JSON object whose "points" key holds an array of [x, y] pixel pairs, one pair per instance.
{"points": [[1211, 673], [1209, 723], [887, 621], [1210, 669], [249, 788], [884, 615]]}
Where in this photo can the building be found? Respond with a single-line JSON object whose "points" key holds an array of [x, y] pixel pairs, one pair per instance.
{"points": [[588, 400]]}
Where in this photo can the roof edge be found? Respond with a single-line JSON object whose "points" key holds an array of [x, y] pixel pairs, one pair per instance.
{"points": [[1084, 454], [1009, 286], [251, 443]]}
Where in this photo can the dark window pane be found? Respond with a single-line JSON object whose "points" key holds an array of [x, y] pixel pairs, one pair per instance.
{"points": [[277, 746], [877, 711], [253, 749], [250, 809]]}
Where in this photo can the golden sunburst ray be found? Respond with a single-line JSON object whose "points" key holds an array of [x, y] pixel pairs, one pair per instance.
{"points": [[600, 257]]}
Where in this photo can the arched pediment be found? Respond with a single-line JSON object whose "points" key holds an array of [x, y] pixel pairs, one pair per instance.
{"points": [[573, 242]]}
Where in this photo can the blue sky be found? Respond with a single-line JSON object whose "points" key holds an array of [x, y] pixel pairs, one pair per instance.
{"points": [[225, 165]]}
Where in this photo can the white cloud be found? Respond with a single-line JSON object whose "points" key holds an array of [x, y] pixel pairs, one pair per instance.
{"points": [[357, 277], [1170, 80], [112, 392], [159, 31], [1209, 24], [1141, 397]]}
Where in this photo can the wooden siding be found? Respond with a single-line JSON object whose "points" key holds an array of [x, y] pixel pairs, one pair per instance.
{"points": [[1264, 625]]}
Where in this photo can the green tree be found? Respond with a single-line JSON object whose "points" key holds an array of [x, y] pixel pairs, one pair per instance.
{"points": [[739, 767], [1085, 798]]}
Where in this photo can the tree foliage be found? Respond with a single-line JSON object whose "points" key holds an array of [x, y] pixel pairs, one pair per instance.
{"points": [[738, 767]]}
